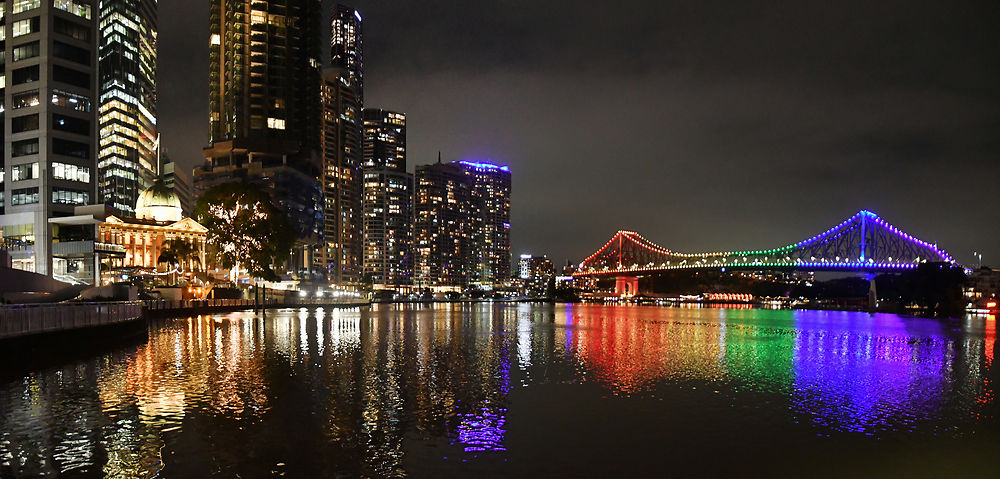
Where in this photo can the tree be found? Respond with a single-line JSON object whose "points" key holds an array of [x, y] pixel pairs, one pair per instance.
{"points": [[245, 229], [179, 252], [937, 287]]}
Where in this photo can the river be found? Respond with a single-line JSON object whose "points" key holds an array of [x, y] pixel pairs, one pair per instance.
{"points": [[501, 390]]}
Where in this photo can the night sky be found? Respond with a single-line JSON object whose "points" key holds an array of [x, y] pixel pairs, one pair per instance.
{"points": [[701, 125]]}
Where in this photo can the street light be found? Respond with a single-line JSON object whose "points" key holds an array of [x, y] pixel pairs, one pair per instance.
{"points": [[978, 256]]}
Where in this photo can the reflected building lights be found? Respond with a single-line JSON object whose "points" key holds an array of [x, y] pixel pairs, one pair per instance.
{"points": [[369, 382]]}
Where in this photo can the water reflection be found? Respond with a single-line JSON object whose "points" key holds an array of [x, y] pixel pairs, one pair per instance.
{"points": [[368, 392]]}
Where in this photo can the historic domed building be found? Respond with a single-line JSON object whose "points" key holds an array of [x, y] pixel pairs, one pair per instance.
{"points": [[159, 203], [158, 220]]}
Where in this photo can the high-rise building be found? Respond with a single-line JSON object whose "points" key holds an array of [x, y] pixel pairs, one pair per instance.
{"points": [[462, 228], [342, 136], [265, 112], [341, 253], [179, 181], [264, 81], [535, 273], [491, 218], [387, 200], [385, 139], [126, 161], [442, 227], [49, 91], [345, 46], [388, 227]]}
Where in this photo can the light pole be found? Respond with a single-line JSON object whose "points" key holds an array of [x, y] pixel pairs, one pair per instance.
{"points": [[979, 256]]}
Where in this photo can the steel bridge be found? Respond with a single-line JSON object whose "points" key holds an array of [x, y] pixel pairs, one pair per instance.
{"points": [[864, 243]]}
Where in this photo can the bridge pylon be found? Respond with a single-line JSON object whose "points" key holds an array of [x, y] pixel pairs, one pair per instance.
{"points": [[626, 286]]}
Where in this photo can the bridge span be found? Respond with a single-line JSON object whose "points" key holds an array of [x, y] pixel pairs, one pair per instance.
{"points": [[864, 243]]}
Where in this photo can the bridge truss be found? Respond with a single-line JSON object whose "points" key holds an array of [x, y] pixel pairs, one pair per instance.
{"points": [[863, 243]]}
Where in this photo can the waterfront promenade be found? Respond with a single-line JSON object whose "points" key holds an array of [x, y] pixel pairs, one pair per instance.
{"points": [[24, 320]]}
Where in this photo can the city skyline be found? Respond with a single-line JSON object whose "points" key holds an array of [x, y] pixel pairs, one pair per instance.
{"points": [[717, 125]]}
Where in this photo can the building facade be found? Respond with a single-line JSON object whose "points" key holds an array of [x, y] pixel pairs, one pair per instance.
{"points": [[384, 139], [462, 228], [442, 227], [535, 272], [346, 46], [158, 226], [387, 201], [127, 156], [490, 188], [388, 228], [265, 111], [49, 91], [341, 254], [179, 180]]}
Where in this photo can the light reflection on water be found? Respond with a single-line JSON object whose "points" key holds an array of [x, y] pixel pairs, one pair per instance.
{"points": [[380, 392]]}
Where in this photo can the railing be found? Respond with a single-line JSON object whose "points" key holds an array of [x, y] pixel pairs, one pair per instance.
{"points": [[24, 319], [161, 305], [169, 305]]}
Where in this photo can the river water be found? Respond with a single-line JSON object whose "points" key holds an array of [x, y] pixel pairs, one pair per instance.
{"points": [[497, 390]]}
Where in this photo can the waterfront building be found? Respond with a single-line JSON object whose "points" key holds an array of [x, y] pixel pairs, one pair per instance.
{"points": [[126, 159], [491, 219], [535, 267], [462, 227], [345, 46], [387, 201], [341, 255], [388, 227], [264, 82], [159, 224], [48, 86], [983, 283], [535, 273], [341, 132], [442, 230]]}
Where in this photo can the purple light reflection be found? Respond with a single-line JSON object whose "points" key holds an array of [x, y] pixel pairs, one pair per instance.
{"points": [[867, 374], [483, 431]]}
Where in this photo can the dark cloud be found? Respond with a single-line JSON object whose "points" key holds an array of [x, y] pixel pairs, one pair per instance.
{"points": [[702, 125]]}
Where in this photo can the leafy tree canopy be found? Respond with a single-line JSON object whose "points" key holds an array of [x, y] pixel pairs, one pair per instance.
{"points": [[244, 228]]}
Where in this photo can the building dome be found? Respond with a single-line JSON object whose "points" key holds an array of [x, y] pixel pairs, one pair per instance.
{"points": [[159, 203]]}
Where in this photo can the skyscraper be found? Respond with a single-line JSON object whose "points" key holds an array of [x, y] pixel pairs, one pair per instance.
{"points": [[491, 221], [264, 62], [49, 91], [341, 254], [442, 229], [385, 139], [462, 229], [387, 200], [345, 46], [126, 161], [265, 111]]}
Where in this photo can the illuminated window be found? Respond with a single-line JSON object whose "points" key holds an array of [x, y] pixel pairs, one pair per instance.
{"points": [[24, 99], [26, 171], [23, 196], [64, 171], [24, 27], [67, 100], [25, 5], [69, 197], [79, 9], [276, 123]]}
